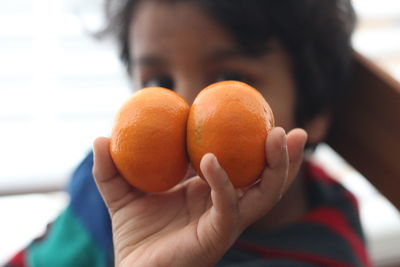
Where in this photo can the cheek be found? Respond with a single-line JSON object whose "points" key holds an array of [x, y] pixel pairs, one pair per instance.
{"points": [[134, 80], [284, 115], [281, 97], [280, 87]]}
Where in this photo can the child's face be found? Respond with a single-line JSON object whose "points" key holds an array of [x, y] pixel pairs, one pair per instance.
{"points": [[180, 47]]}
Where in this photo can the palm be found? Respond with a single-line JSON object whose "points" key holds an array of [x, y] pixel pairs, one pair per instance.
{"points": [[178, 219], [197, 220]]}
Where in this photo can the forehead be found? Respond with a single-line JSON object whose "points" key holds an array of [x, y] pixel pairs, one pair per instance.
{"points": [[160, 28]]}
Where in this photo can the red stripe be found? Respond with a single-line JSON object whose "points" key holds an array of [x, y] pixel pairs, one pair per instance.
{"points": [[319, 174], [18, 260], [269, 253], [337, 222]]}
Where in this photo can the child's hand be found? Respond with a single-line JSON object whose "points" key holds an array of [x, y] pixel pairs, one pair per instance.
{"points": [[197, 221]]}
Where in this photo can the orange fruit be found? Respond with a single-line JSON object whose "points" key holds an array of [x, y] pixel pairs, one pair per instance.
{"points": [[232, 120], [148, 140]]}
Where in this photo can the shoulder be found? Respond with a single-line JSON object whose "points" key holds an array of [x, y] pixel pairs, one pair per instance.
{"points": [[330, 234]]}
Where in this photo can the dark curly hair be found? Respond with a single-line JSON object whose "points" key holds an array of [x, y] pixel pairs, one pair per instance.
{"points": [[315, 33]]}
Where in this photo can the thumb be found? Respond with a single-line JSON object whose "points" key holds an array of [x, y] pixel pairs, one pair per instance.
{"points": [[111, 185]]}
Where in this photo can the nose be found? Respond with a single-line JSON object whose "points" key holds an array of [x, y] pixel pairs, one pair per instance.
{"points": [[189, 86]]}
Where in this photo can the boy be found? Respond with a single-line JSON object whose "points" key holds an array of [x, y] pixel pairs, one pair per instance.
{"points": [[297, 53]]}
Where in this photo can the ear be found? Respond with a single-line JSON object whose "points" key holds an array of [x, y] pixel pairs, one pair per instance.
{"points": [[318, 127]]}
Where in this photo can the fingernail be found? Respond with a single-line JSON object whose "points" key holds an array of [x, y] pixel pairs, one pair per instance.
{"points": [[284, 141], [221, 172], [214, 161], [305, 141]]}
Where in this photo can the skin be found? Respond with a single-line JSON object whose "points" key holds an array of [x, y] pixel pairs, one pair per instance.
{"points": [[197, 221]]}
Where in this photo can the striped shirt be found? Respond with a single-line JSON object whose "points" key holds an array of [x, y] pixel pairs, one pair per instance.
{"points": [[329, 235]]}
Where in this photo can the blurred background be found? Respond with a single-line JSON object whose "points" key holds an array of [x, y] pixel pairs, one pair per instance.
{"points": [[60, 87]]}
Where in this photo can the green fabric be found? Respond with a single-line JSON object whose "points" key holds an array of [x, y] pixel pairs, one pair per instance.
{"points": [[67, 244]]}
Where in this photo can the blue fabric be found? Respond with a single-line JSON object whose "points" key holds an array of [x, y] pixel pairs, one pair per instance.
{"points": [[88, 205], [87, 228]]}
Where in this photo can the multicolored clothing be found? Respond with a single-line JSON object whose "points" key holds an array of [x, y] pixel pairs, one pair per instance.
{"points": [[329, 235]]}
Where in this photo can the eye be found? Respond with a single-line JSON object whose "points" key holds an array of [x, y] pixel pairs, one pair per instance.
{"points": [[232, 76], [160, 81]]}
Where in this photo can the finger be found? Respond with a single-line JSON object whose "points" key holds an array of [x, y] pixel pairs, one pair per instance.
{"points": [[223, 194], [276, 150], [115, 191], [263, 196], [103, 167], [296, 140]]}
